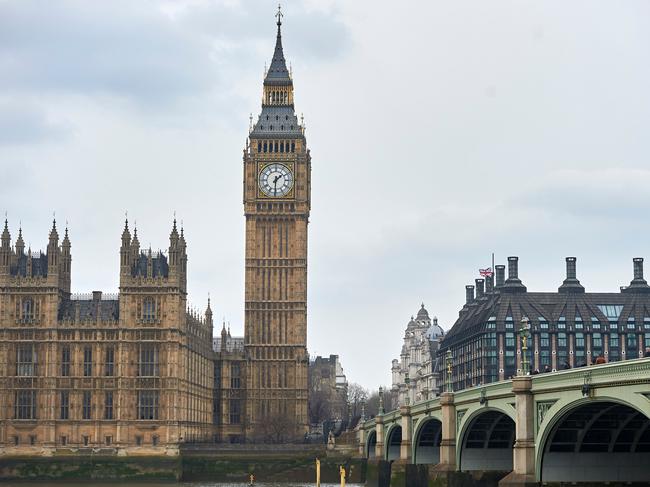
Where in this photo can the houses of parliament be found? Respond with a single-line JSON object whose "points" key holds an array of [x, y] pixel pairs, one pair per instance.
{"points": [[137, 372]]}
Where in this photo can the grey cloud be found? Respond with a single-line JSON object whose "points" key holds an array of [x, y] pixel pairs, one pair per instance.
{"points": [[25, 123]]}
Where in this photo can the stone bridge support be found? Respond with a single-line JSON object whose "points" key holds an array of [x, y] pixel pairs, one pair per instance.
{"points": [[379, 431], [523, 472], [406, 448], [448, 439]]}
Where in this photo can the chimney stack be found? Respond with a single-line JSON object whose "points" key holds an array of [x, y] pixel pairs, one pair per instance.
{"points": [[513, 284], [469, 294], [571, 284], [500, 272], [638, 284], [480, 288], [489, 284]]}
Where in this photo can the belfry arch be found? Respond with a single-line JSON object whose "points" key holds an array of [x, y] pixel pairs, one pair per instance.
{"points": [[603, 441]]}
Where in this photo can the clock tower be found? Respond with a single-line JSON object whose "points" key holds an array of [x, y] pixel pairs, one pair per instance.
{"points": [[277, 172]]}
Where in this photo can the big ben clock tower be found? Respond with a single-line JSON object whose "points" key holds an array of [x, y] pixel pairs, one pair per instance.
{"points": [[277, 168]]}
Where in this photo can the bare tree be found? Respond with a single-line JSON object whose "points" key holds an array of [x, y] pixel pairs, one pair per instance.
{"points": [[278, 428], [356, 395], [320, 406], [372, 405]]}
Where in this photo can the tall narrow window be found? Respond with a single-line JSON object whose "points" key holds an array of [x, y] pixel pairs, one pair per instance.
{"points": [[235, 411], [108, 405], [148, 404], [27, 310], [148, 360], [65, 361], [25, 360], [88, 361], [86, 410], [25, 404], [149, 309], [109, 364], [235, 379], [65, 405]]}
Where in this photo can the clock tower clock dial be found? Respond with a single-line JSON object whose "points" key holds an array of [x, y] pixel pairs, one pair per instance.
{"points": [[275, 180], [277, 172]]}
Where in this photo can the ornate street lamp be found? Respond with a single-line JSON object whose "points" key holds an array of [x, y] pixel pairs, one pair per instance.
{"points": [[381, 400], [450, 387], [523, 335], [407, 381]]}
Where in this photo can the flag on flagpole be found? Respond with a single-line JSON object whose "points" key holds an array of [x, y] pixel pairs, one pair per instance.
{"points": [[486, 272]]}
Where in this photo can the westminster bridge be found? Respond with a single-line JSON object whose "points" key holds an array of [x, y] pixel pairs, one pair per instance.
{"points": [[589, 424]]}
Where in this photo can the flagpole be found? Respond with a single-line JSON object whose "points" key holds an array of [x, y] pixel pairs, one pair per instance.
{"points": [[493, 262]]}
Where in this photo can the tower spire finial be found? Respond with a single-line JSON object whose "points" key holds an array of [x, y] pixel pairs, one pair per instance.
{"points": [[279, 16]]}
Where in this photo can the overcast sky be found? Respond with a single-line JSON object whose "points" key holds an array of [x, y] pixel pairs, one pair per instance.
{"points": [[440, 131]]}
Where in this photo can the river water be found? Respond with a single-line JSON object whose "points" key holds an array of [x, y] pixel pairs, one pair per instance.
{"points": [[168, 484]]}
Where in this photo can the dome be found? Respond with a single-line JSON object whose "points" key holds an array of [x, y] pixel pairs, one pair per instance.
{"points": [[423, 314], [411, 323], [435, 331]]}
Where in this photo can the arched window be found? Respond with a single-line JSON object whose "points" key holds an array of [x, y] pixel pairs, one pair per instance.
{"points": [[293, 146], [259, 147], [276, 146], [281, 146], [265, 147], [149, 309]]}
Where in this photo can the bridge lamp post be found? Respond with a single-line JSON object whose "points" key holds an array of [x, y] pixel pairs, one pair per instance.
{"points": [[523, 335], [450, 387], [407, 381], [381, 400]]}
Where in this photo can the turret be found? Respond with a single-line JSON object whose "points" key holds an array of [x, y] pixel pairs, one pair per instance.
{"points": [[208, 314], [125, 250], [175, 263], [5, 250], [224, 337], [20, 243], [53, 251], [66, 263]]}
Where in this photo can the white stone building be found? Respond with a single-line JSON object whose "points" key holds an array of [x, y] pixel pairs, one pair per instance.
{"points": [[415, 374]]}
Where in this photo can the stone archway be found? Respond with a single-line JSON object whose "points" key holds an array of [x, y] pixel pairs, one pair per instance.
{"points": [[487, 442], [603, 441], [371, 443], [393, 443], [426, 447]]}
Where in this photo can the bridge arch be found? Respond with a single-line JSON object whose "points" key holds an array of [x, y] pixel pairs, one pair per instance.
{"points": [[393, 442], [603, 440], [371, 443], [426, 441], [486, 441]]}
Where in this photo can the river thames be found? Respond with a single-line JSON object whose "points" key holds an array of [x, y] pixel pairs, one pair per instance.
{"points": [[168, 484]]}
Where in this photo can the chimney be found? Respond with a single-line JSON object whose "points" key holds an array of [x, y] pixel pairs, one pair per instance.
{"points": [[500, 275], [638, 268], [489, 284], [638, 284], [513, 268], [513, 283], [480, 289], [571, 284], [469, 294]]}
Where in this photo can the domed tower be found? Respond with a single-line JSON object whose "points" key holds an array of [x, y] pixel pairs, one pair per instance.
{"points": [[277, 168]]}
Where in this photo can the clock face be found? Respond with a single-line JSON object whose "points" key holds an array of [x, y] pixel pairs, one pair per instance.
{"points": [[276, 180]]}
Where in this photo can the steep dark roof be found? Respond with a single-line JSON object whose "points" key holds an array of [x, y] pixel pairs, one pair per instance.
{"points": [[551, 307], [278, 74]]}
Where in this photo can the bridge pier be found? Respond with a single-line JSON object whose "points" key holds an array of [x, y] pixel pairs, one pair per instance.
{"points": [[379, 431], [406, 448], [448, 439], [523, 472]]}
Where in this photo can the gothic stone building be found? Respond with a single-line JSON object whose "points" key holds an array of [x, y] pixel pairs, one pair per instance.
{"points": [[415, 374], [567, 328], [127, 374]]}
